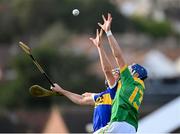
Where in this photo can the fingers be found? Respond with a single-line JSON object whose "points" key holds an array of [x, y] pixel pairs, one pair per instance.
{"points": [[104, 19], [101, 32], [52, 88], [107, 22], [100, 25], [91, 39], [109, 16], [97, 40], [56, 88], [97, 32], [110, 19]]}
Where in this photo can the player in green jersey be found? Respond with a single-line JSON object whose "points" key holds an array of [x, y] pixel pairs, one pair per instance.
{"points": [[124, 117]]}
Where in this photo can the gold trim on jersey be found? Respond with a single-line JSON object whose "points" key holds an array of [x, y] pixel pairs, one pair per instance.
{"points": [[133, 95], [141, 98], [139, 81], [119, 85], [123, 68], [135, 105]]}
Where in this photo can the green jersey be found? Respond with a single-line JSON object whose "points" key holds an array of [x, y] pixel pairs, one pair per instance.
{"points": [[127, 99]]}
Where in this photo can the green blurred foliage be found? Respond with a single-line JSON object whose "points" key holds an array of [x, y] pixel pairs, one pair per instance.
{"points": [[8, 23], [35, 14], [151, 27], [67, 69], [55, 34], [24, 18]]}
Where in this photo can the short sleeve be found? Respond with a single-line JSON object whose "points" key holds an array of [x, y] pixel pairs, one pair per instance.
{"points": [[126, 76], [95, 96]]}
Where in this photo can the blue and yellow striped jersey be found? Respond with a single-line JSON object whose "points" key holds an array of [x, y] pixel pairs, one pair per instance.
{"points": [[102, 109]]}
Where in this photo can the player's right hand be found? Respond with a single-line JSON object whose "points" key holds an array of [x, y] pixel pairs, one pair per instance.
{"points": [[107, 23], [56, 88]]}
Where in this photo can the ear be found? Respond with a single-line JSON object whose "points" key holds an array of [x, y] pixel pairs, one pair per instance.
{"points": [[136, 75]]}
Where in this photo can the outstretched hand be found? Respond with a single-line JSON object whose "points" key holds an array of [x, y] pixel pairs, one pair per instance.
{"points": [[97, 41], [107, 23]]}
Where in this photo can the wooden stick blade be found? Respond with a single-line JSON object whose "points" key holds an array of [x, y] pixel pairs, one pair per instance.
{"points": [[25, 48], [38, 91]]}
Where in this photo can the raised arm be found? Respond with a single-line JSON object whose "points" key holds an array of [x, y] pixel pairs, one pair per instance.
{"points": [[116, 50], [84, 99], [105, 63]]}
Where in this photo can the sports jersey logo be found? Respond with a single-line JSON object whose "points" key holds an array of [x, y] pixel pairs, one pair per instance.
{"points": [[99, 100], [105, 99]]}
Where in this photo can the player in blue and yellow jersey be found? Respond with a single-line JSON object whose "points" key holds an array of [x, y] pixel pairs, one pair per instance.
{"points": [[103, 104], [128, 98], [101, 101]]}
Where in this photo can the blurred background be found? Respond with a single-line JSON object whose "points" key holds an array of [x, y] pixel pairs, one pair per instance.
{"points": [[147, 30]]}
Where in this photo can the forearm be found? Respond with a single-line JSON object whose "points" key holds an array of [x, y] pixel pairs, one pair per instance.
{"points": [[75, 98], [106, 66], [105, 63], [116, 50]]}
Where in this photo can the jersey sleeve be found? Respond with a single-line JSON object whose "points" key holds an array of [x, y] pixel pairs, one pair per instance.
{"points": [[95, 96]]}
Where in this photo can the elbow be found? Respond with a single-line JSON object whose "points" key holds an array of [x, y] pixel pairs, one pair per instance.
{"points": [[82, 102], [85, 102]]}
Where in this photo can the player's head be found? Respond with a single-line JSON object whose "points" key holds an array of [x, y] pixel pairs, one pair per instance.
{"points": [[138, 70], [116, 75]]}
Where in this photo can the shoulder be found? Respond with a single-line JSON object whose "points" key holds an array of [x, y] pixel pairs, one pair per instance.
{"points": [[96, 95], [124, 68], [139, 81]]}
